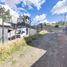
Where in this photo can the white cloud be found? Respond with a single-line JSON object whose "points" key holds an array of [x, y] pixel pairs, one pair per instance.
{"points": [[39, 19], [21, 9], [27, 14], [36, 3], [29, 3], [12, 3], [60, 7]]}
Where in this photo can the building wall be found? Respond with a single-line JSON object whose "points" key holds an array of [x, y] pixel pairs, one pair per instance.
{"points": [[23, 32], [0, 34], [5, 34], [32, 31]]}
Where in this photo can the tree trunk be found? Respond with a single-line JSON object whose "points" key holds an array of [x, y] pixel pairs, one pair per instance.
{"points": [[29, 32], [15, 31]]}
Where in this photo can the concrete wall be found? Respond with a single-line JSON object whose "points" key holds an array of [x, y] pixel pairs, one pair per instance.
{"points": [[5, 34], [30, 32]]}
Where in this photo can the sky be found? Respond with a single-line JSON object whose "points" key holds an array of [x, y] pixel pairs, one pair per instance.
{"points": [[39, 10]]}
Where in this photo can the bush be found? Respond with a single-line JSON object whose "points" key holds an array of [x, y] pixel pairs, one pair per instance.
{"points": [[43, 32], [56, 26]]}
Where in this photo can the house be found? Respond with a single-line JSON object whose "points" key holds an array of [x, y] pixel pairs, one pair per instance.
{"points": [[21, 30], [25, 27], [7, 28]]}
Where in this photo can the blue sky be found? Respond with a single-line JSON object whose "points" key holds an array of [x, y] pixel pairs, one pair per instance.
{"points": [[40, 10]]}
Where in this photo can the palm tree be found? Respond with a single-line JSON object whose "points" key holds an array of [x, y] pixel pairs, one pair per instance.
{"points": [[5, 15]]}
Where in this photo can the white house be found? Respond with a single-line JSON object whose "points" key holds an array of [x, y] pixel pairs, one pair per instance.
{"points": [[21, 30], [7, 27]]}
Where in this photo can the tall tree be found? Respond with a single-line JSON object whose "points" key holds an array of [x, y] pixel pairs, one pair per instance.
{"points": [[5, 16], [27, 20]]}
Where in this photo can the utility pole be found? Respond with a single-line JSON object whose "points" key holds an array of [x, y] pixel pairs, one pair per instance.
{"points": [[64, 17], [2, 31]]}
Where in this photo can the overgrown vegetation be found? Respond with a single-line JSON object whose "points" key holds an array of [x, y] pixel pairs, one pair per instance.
{"points": [[56, 26], [9, 48]]}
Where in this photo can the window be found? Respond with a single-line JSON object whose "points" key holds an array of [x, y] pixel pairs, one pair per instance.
{"points": [[18, 32], [22, 32]]}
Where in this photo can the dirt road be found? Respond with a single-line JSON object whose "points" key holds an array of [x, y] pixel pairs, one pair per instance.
{"points": [[56, 46]]}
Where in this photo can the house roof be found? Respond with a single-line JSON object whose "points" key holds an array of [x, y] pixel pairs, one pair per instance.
{"points": [[5, 24], [22, 24]]}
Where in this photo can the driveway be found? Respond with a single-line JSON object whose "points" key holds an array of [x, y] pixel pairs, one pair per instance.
{"points": [[56, 46]]}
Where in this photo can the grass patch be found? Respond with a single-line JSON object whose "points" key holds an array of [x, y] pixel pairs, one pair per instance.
{"points": [[14, 62], [43, 32], [9, 48]]}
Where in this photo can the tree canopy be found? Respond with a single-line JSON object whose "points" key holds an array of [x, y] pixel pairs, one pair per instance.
{"points": [[5, 15]]}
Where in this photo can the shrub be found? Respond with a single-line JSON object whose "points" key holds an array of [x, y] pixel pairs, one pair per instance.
{"points": [[43, 32], [56, 26]]}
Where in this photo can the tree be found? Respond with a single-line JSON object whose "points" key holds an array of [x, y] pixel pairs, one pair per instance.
{"points": [[27, 21], [5, 15]]}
